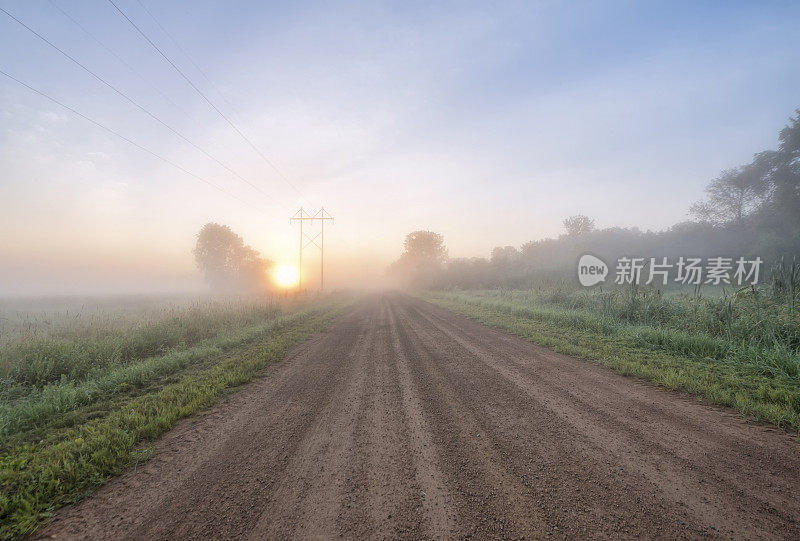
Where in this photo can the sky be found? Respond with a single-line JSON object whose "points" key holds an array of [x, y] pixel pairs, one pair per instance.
{"points": [[487, 122]]}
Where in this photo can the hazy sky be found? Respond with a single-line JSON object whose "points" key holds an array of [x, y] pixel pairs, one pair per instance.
{"points": [[487, 122]]}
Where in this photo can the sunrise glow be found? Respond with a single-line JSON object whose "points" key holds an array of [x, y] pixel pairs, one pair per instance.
{"points": [[285, 276]]}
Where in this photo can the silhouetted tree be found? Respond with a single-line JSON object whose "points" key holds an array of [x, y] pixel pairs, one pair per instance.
{"points": [[227, 263], [760, 201], [783, 178], [426, 247], [732, 197], [253, 270], [422, 260], [578, 225]]}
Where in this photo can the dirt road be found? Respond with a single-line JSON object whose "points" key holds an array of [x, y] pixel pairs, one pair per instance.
{"points": [[405, 420]]}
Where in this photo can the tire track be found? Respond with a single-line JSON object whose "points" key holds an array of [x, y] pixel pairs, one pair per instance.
{"points": [[687, 467]]}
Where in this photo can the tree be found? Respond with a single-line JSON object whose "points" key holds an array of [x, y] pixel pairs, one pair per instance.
{"points": [[423, 257], [505, 257], [227, 263], [732, 197], [471, 273], [758, 204], [426, 247], [253, 268], [784, 177], [578, 225], [789, 138]]}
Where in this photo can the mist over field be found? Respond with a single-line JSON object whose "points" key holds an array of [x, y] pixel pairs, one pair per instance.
{"points": [[399, 270], [488, 125]]}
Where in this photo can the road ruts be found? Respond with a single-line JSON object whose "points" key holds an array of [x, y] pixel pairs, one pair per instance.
{"points": [[407, 421]]}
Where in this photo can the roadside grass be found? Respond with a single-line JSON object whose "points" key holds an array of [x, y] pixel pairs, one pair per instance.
{"points": [[62, 439], [46, 348], [739, 352]]}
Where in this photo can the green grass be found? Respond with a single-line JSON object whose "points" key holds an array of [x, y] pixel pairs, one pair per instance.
{"points": [[62, 438], [739, 351], [41, 348]]}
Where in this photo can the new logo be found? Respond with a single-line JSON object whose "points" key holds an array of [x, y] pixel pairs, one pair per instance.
{"points": [[591, 270]]}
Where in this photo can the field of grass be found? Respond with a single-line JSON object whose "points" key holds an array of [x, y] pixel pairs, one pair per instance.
{"points": [[83, 390], [741, 349]]}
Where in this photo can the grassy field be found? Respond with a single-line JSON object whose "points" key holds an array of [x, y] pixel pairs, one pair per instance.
{"points": [[740, 350], [84, 389]]}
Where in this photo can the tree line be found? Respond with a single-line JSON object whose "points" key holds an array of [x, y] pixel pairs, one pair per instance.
{"points": [[752, 210]]}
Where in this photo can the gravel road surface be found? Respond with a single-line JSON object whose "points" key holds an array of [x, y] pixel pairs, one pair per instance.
{"points": [[407, 421]]}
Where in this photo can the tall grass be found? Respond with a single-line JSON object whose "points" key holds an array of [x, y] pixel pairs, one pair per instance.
{"points": [[737, 347], [78, 402], [66, 345], [41, 405], [752, 326], [51, 378]]}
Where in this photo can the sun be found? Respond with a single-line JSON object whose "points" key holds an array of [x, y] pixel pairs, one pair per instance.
{"points": [[285, 276]]}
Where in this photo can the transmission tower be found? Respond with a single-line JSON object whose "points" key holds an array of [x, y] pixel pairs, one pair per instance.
{"points": [[307, 240]]}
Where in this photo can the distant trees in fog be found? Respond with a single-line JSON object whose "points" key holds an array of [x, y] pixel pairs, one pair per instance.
{"points": [[423, 259], [228, 264], [751, 210], [763, 194], [732, 197]]}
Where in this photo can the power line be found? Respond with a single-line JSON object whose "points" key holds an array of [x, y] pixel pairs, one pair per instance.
{"points": [[126, 139], [191, 60], [220, 94], [140, 107], [118, 57], [185, 54], [202, 95]]}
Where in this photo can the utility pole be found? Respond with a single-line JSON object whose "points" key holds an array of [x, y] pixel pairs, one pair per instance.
{"points": [[306, 240]]}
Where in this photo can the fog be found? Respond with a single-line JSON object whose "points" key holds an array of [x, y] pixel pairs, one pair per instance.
{"points": [[487, 125], [384, 268]]}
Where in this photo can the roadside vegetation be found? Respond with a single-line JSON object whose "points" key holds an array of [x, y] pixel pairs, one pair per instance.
{"points": [[750, 211], [738, 346], [82, 393], [740, 349]]}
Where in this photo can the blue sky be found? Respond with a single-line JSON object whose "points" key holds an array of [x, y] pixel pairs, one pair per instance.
{"points": [[487, 122]]}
